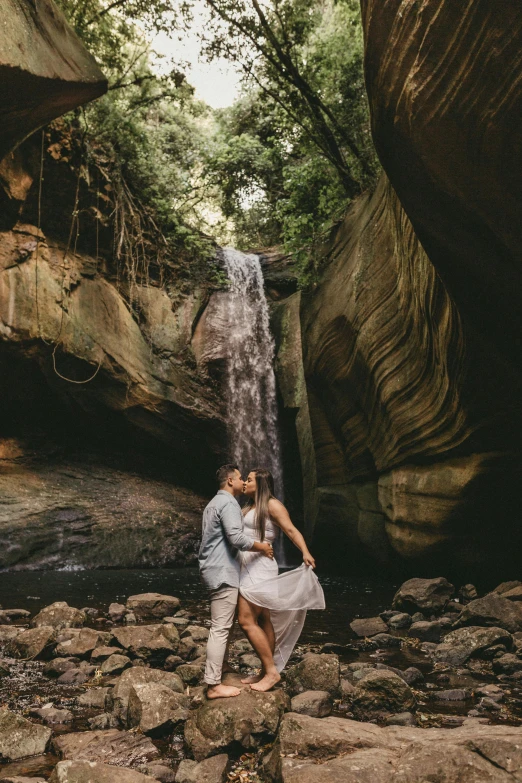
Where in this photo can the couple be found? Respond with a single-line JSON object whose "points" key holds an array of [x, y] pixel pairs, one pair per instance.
{"points": [[236, 561]]}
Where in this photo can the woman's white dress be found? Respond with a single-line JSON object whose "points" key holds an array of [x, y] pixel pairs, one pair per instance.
{"points": [[288, 595]]}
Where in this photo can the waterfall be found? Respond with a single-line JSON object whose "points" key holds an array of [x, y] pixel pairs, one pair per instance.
{"points": [[250, 380]]}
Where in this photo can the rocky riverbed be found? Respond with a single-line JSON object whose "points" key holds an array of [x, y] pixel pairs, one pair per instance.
{"points": [[94, 696]]}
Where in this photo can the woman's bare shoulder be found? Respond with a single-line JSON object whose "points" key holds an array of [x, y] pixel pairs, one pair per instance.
{"points": [[275, 506]]}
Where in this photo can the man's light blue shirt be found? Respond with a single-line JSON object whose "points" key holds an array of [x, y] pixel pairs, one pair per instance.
{"points": [[222, 536]]}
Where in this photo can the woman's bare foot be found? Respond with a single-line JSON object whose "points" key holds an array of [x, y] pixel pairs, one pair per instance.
{"points": [[269, 680], [253, 678], [222, 691]]}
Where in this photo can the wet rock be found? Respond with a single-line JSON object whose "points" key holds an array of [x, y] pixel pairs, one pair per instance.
{"points": [[73, 677], [58, 666], [117, 612], [412, 676], [401, 719], [249, 719], [159, 772], [115, 664], [197, 632], [155, 709], [507, 664], [468, 593], [52, 715], [111, 746], [368, 626], [95, 772], [455, 694], [59, 615], [317, 704], [426, 631], [399, 620], [152, 606], [212, 770], [314, 672], [106, 720], [493, 610], [33, 643], [80, 645], [93, 697], [381, 691], [386, 641], [463, 643], [20, 737], [191, 673], [119, 697], [428, 596], [152, 643], [100, 654]]}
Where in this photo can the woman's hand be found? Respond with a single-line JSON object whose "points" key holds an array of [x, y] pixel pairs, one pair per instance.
{"points": [[308, 560]]}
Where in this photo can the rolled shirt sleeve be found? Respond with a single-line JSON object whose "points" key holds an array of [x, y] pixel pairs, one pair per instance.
{"points": [[232, 521]]}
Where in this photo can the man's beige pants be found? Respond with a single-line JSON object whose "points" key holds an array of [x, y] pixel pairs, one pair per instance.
{"points": [[223, 603]]}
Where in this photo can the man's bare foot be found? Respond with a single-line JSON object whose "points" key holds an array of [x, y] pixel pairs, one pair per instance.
{"points": [[253, 678], [222, 691], [268, 681]]}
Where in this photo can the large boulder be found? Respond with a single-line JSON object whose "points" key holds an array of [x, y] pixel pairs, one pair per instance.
{"points": [[211, 770], [316, 704], [368, 626], [95, 772], [80, 645], [381, 691], [59, 615], [464, 643], [152, 606], [33, 643], [155, 709], [314, 672], [20, 737], [493, 610], [428, 596], [111, 746], [152, 643], [139, 675], [248, 719]]}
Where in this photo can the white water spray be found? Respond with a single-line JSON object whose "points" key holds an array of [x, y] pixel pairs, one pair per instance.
{"points": [[250, 380]]}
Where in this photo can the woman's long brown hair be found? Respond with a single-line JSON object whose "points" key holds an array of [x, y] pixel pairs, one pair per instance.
{"points": [[264, 491]]}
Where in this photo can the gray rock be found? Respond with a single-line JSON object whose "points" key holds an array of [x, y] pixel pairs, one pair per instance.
{"points": [[16, 614], [152, 606], [468, 593], [191, 673], [455, 694], [115, 664], [22, 779], [58, 666], [52, 715], [399, 620], [130, 618], [187, 648], [347, 690], [153, 643], [20, 737], [8, 633], [428, 596], [106, 720], [493, 610], [401, 719], [100, 654], [117, 612], [121, 748], [119, 697], [158, 771], [386, 641], [489, 705], [505, 587], [250, 719], [180, 622], [368, 626], [426, 631], [317, 704], [381, 691], [172, 662], [417, 617], [412, 676], [80, 645], [5, 670], [155, 709], [460, 645], [490, 691], [94, 772], [507, 664], [33, 643], [211, 770], [59, 615], [73, 677], [93, 697], [197, 632], [314, 672]]}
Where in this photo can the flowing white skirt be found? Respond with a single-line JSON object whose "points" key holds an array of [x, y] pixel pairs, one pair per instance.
{"points": [[288, 596]]}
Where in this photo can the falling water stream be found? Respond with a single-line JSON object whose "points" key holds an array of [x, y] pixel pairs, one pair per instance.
{"points": [[250, 380]]}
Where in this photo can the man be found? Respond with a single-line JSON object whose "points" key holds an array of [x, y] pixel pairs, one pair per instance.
{"points": [[219, 569]]}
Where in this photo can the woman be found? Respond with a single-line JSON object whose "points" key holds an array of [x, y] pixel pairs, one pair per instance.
{"points": [[272, 607]]}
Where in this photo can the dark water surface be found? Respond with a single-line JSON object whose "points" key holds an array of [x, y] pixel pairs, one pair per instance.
{"points": [[346, 596]]}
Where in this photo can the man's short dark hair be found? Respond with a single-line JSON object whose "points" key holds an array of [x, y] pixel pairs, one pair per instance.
{"points": [[224, 472]]}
